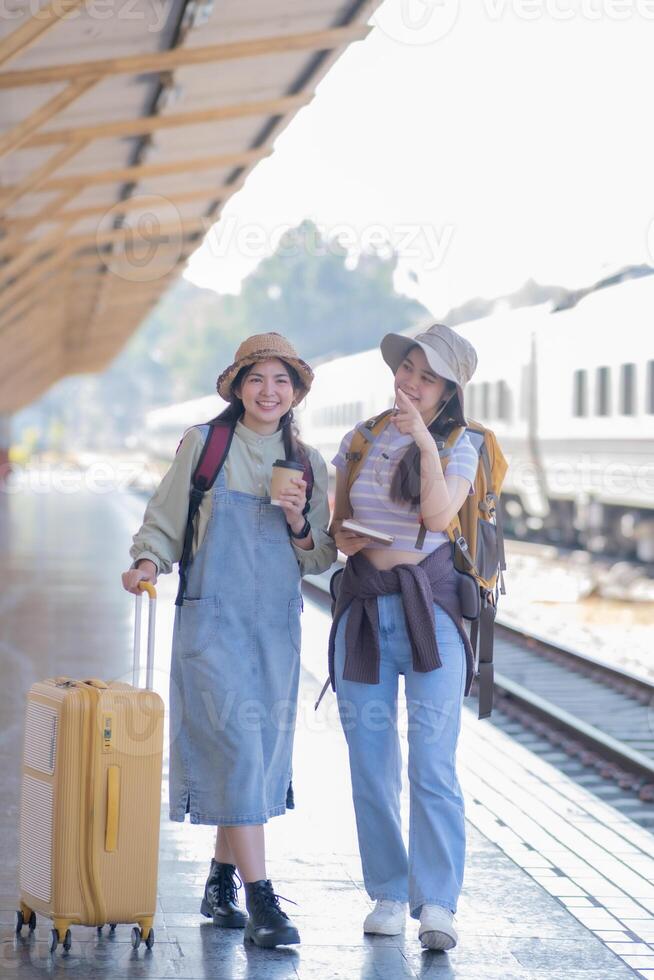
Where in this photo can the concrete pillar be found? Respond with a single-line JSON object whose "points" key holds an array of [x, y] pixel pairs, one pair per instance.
{"points": [[5, 442]]}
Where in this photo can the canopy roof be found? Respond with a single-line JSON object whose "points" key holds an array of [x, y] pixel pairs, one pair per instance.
{"points": [[124, 128]]}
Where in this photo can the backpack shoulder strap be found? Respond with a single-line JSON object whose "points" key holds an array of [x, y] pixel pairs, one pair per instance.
{"points": [[362, 439], [213, 455], [475, 434], [308, 478], [445, 447]]}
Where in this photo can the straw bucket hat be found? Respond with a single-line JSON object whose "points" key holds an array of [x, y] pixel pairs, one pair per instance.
{"points": [[448, 354], [261, 347]]}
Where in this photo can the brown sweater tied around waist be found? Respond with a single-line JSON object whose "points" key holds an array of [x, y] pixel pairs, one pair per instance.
{"points": [[431, 581]]}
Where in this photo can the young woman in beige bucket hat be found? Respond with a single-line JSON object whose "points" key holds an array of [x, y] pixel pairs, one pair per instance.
{"points": [[397, 612], [236, 640]]}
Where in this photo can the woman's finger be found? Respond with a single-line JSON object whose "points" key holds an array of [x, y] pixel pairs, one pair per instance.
{"points": [[291, 497]]}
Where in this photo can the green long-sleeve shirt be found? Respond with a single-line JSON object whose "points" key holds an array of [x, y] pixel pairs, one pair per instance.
{"points": [[248, 469]]}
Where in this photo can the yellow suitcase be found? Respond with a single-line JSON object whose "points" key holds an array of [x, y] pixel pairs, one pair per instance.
{"points": [[90, 801]]}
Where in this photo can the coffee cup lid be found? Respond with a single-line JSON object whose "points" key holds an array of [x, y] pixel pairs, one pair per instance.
{"points": [[289, 464]]}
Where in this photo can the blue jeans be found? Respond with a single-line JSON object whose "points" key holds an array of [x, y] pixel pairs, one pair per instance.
{"points": [[432, 873]]}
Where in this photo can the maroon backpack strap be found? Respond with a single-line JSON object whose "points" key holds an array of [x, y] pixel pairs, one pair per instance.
{"points": [[307, 476], [213, 455]]}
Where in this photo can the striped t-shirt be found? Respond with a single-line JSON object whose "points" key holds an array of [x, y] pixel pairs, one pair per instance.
{"points": [[370, 493]]}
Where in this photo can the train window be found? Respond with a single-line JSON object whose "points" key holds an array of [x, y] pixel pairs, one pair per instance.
{"points": [[628, 389], [525, 387], [485, 400], [603, 391], [580, 393], [503, 401], [650, 388], [470, 398]]}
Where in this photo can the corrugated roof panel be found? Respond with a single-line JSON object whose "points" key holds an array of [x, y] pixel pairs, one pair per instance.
{"points": [[57, 289]]}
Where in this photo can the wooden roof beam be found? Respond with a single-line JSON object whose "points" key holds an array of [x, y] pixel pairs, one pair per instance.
{"points": [[33, 250], [123, 235], [151, 124], [36, 180], [136, 203], [139, 171], [35, 298], [28, 33], [184, 57], [72, 244], [33, 276], [19, 227], [19, 134]]}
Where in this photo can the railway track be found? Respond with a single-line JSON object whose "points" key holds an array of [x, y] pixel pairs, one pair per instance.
{"points": [[593, 721]]}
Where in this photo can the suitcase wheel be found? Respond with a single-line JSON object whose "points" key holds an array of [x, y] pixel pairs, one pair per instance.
{"points": [[54, 940], [138, 934], [22, 920], [112, 926]]}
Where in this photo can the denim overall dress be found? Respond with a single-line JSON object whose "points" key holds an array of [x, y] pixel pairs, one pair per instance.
{"points": [[235, 667]]}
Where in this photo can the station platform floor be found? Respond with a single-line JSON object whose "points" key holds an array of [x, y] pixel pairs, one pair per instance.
{"points": [[557, 885]]}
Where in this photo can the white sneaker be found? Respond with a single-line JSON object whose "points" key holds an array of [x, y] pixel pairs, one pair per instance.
{"points": [[387, 918], [436, 928]]}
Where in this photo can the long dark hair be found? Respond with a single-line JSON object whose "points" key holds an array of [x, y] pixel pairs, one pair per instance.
{"points": [[294, 448], [405, 485]]}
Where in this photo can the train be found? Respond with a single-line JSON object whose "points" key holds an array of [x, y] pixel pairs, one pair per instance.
{"points": [[569, 394]]}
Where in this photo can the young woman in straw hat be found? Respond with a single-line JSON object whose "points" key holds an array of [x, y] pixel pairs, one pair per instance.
{"points": [[397, 612], [236, 640]]}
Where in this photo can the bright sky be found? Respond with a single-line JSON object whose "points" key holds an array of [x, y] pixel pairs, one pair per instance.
{"points": [[491, 142]]}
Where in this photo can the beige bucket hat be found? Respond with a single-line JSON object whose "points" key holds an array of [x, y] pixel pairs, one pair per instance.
{"points": [[261, 347], [449, 355]]}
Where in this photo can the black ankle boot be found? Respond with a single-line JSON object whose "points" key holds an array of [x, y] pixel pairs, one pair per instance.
{"points": [[220, 901], [267, 925]]}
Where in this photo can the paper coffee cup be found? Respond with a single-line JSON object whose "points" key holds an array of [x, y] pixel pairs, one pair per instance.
{"points": [[283, 471]]}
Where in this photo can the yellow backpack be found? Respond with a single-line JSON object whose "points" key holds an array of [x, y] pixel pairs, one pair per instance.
{"points": [[475, 533]]}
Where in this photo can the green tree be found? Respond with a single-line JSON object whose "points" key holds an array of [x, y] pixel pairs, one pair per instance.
{"points": [[309, 290]]}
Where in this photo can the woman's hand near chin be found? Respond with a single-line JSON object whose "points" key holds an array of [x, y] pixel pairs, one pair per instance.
{"points": [[410, 422]]}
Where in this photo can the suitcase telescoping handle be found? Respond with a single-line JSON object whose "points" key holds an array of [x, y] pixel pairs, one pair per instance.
{"points": [[152, 608]]}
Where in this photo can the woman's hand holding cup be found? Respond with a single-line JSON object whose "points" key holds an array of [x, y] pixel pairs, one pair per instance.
{"points": [[292, 499]]}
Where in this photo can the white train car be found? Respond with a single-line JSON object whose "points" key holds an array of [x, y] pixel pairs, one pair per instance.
{"points": [[164, 427], [569, 394], [345, 391], [594, 419]]}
